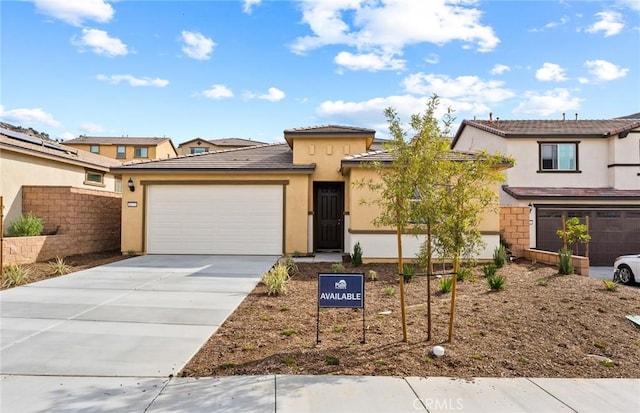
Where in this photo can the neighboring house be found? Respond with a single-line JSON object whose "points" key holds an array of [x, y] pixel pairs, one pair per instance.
{"points": [[26, 160], [199, 145], [295, 197], [570, 168], [125, 148]]}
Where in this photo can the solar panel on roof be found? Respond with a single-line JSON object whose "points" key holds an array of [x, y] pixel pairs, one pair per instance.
{"points": [[32, 139]]}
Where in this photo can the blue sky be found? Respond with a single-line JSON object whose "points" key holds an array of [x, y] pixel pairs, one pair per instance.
{"points": [[250, 69]]}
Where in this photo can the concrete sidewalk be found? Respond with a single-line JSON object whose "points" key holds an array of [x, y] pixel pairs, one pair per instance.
{"points": [[300, 394]]}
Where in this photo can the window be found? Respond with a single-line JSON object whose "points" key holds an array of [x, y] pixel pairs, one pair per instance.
{"points": [[95, 149], [118, 184], [199, 150], [94, 177], [141, 152], [121, 152], [559, 156]]}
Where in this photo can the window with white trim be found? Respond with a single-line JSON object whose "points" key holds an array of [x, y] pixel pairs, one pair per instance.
{"points": [[94, 178], [95, 149], [199, 150], [141, 152], [121, 152]]}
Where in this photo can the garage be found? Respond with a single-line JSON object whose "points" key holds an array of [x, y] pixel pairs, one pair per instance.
{"points": [[215, 219], [613, 232]]}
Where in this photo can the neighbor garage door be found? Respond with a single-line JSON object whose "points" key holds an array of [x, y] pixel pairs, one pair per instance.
{"points": [[214, 219], [613, 231]]}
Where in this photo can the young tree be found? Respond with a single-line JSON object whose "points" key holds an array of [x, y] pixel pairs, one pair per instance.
{"points": [[468, 192]]}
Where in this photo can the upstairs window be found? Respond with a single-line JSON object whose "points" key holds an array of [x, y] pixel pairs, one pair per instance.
{"points": [[559, 156], [121, 152], [95, 149], [141, 152], [199, 150]]}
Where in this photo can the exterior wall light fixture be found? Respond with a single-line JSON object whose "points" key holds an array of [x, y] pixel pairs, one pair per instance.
{"points": [[131, 186]]}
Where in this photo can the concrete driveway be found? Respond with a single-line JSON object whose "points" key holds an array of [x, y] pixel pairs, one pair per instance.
{"points": [[141, 317]]}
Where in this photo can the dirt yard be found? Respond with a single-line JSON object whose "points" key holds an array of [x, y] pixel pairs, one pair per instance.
{"points": [[541, 325]]}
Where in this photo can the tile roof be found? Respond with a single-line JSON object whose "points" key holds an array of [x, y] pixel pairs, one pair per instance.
{"points": [[20, 142], [599, 128], [384, 156], [274, 157], [115, 140], [570, 193], [329, 129], [235, 142]]}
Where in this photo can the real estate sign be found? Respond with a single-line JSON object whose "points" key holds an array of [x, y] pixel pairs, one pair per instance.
{"points": [[340, 291]]}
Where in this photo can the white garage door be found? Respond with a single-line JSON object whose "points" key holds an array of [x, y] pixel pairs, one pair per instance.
{"points": [[215, 219]]}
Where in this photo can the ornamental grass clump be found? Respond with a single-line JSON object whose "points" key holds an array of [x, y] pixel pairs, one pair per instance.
{"points": [[446, 284], [276, 279], [500, 256], [14, 275], [59, 267], [565, 262], [496, 282]]}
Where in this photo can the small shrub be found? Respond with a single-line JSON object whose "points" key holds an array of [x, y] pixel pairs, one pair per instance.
{"points": [[338, 329], [610, 285], [59, 267], [489, 269], [464, 273], [289, 361], [565, 262], [331, 361], [26, 226], [288, 332], [408, 272], [608, 363], [496, 282], [337, 267], [446, 284], [226, 366], [15, 275], [380, 363], [500, 256], [132, 253], [265, 318], [292, 267], [477, 357], [373, 275], [390, 291], [356, 257], [276, 279], [542, 281], [600, 345]]}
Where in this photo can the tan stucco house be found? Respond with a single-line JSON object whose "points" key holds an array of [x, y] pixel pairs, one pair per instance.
{"points": [[29, 161], [199, 145], [125, 148], [295, 197], [571, 168]]}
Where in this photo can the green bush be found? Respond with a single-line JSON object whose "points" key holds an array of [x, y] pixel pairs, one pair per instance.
{"points": [[408, 272], [565, 262], [337, 267], [356, 257], [500, 256], [276, 279], [490, 269], [464, 273], [496, 282], [14, 275], [59, 267], [446, 284], [26, 226]]}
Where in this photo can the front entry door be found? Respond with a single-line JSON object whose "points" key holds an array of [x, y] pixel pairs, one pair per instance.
{"points": [[329, 213]]}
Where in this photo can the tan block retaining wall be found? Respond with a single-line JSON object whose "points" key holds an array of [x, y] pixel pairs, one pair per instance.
{"points": [[581, 264], [514, 229], [83, 220]]}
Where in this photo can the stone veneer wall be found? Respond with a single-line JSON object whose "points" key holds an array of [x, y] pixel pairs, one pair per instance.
{"points": [[514, 228], [83, 220]]}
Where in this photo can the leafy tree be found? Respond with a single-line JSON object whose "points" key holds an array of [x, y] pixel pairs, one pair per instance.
{"points": [[574, 233]]}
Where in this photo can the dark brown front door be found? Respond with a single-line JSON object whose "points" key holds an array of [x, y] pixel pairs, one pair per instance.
{"points": [[329, 212]]}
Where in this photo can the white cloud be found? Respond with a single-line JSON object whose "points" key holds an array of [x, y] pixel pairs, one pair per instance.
{"points": [[133, 81], [610, 23], [197, 46], [218, 92], [461, 88], [544, 104], [369, 61], [551, 72], [499, 69], [372, 27], [91, 128], [632, 4], [28, 116], [432, 59], [604, 71], [272, 95], [65, 136], [248, 5], [100, 43], [75, 12]]}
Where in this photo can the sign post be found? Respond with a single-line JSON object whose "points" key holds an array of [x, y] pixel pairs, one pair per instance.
{"points": [[340, 291]]}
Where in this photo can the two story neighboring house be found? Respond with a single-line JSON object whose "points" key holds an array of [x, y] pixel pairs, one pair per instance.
{"points": [[125, 148], [570, 168], [199, 145]]}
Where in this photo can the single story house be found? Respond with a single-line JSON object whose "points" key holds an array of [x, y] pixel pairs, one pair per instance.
{"points": [[199, 145], [296, 197]]}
